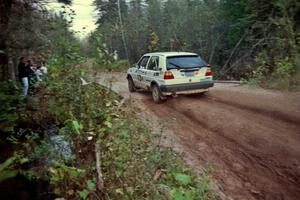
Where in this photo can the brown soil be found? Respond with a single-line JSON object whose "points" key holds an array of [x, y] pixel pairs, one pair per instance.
{"points": [[250, 136]]}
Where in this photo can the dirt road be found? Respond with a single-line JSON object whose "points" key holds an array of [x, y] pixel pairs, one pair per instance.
{"points": [[250, 136]]}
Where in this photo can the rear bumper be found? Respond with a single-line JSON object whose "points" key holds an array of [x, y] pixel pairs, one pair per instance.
{"points": [[186, 87]]}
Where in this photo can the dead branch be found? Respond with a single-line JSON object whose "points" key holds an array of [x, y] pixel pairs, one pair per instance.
{"points": [[233, 50], [252, 49], [100, 182], [121, 103], [229, 82], [158, 174]]}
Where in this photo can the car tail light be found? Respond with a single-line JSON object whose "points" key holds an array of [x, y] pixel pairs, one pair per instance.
{"points": [[208, 72], [168, 75]]}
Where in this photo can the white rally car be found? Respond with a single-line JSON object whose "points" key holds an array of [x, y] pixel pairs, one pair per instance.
{"points": [[170, 73]]}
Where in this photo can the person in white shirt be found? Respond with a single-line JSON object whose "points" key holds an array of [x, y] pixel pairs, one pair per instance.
{"points": [[38, 74], [43, 68]]}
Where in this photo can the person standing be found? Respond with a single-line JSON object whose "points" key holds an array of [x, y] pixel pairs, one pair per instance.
{"points": [[43, 68], [32, 79], [23, 75], [38, 74]]}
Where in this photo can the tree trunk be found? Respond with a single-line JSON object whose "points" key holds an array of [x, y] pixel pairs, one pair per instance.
{"points": [[11, 67], [3, 60], [122, 30], [5, 10]]}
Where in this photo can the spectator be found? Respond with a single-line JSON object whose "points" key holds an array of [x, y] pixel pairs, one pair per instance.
{"points": [[32, 79], [23, 75], [44, 71], [39, 73], [43, 68]]}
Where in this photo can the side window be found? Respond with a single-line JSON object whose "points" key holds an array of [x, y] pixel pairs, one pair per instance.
{"points": [[143, 62], [153, 63]]}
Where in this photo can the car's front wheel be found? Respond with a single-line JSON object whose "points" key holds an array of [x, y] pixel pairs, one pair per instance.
{"points": [[131, 85], [157, 95]]}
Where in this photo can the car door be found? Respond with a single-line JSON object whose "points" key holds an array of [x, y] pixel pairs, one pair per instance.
{"points": [[152, 72], [141, 72], [133, 73]]}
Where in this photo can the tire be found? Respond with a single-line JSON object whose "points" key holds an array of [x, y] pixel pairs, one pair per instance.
{"points": [[131, 85], [157, 95]]}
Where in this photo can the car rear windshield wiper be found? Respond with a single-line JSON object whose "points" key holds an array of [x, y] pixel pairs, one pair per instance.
{"points": [[175, 65]]}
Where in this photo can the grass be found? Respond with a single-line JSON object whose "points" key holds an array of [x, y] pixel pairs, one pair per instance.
{"points": [[148, 170]]}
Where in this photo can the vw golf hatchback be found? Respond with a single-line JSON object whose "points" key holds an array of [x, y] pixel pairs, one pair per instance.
{"points": [[170, 73]]}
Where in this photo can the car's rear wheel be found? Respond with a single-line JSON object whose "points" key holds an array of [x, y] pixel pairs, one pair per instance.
{"points": [[157, 95], [131, 85]]}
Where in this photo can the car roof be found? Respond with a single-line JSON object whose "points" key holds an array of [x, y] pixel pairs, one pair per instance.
{"points": [[175, 53]]}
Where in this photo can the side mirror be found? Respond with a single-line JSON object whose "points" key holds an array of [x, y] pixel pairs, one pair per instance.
{"points": [[160, 69]]}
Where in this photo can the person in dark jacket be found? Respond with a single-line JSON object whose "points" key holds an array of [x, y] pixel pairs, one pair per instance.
{"points": [[32, 79], [23, 75]]}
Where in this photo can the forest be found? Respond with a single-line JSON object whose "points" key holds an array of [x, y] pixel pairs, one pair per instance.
{"points": [[241, 39], [68, 139]]}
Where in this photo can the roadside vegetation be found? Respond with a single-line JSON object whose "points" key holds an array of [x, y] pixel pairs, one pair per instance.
{"points": [[89, 120], [74, 140]]}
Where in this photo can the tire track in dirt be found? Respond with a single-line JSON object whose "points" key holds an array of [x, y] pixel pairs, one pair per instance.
{"points": [[210, 156], [270, 113], [256, 158]]}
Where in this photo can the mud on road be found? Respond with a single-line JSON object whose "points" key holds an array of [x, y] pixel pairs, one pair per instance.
{"points": [[250, 136]]}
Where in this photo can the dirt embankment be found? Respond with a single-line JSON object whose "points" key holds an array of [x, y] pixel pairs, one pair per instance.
{"points": [[250, 136]]}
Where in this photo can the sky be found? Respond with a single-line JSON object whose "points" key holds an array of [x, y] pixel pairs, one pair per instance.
{"points": [[85, 15]]}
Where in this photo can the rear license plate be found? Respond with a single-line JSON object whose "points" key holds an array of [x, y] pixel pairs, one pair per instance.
{"points": [[189, 74]]}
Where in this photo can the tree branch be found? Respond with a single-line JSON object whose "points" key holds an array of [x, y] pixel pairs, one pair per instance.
{"points": [[100, 182]]}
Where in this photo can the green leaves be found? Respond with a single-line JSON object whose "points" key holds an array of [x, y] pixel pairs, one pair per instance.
{"points": [[91, 185], [6, 174], [76, 126], [83, 194], [180, 194], [7, 163], [183, 179], [5, 171]]}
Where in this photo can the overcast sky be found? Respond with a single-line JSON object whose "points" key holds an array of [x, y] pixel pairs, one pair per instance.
{"points": [[85, 15]]}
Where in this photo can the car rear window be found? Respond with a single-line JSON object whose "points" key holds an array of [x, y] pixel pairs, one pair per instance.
{"points": [[185, 62]]}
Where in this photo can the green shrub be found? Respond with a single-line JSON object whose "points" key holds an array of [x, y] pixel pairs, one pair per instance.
{"points": [[283, 74], [117, 66]]}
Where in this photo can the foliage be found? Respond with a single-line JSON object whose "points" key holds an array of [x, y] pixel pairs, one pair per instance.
{"points": [[6, 173], [99, 51], [86, 115], [116, 66], [154, 42], [10, 103], [232, 35]]}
